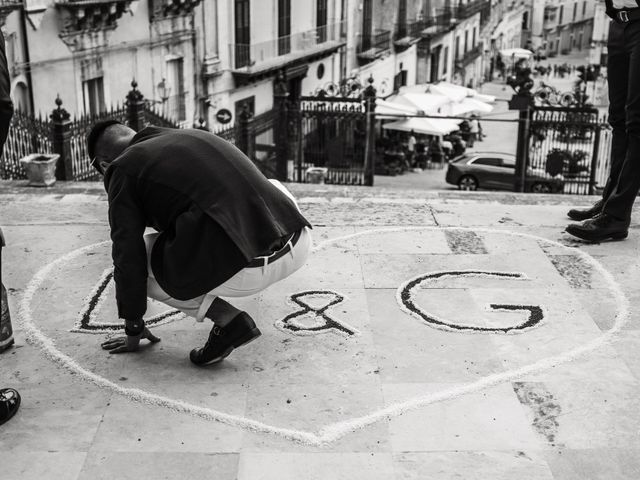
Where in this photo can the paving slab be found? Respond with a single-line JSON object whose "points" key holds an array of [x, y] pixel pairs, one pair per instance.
{"points": [[469, 338]]}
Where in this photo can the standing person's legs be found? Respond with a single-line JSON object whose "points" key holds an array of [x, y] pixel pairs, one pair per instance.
{"points": [[621, 200], [618, 63]]}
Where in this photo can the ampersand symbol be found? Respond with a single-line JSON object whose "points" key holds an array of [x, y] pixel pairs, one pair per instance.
{"points": [[312, 318]]}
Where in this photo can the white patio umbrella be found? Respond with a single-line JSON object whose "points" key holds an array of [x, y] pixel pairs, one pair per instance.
{"points": [[384, 107], [424, 102], [516, 53], [450, 90], [466, 105], [426, 126]]}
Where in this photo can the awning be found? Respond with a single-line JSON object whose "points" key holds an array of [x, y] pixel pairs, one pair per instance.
{"points": [[384, 107], [424, 102], [426, 126], [516, 53], [467, 105], [450, 90]]}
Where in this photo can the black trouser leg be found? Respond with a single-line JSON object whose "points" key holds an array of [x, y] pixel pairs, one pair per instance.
{"points": [[624, 57], [221, 312]]}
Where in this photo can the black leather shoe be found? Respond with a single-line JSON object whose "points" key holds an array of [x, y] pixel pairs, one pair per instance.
{"points": [[584, 214], [222, 341], [599, 228]]}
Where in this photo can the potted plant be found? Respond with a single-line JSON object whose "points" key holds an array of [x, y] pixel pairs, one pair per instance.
{"points": [[40, 168]]}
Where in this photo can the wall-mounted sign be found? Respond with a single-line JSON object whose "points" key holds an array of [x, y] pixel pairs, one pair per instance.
{"points": [[223, 116]]}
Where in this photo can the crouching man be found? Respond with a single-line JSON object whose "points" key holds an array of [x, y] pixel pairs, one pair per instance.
{"points": [[223, 230]]}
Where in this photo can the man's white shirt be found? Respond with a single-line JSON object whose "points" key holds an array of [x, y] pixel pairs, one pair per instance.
{"points": [[623, 4]]}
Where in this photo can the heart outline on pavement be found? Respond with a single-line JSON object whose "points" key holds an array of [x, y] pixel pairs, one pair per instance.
{"points": [[332, 432]]}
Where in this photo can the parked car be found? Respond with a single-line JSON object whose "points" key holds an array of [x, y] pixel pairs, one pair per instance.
{"points": [[497, 171]]}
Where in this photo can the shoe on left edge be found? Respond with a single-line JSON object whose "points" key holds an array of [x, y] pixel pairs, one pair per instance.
{"points": [[222, 341], [599, 228]]}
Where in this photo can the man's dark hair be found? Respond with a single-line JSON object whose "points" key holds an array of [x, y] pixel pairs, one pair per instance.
{"points": [[96, 131]]}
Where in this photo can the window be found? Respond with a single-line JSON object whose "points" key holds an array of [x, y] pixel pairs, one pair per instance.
{"points": [[575, 11], [584, 9], [176, 104], [93, 96], [561, 14], [445, 60], [491, 162], [367, 19], [475, 31], [466, 41], [321, 20], [243, 33], [402, 18], [457, 51], [284, 26]]}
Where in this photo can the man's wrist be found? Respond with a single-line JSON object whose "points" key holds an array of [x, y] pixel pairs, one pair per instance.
{"points": [[134, 327]]}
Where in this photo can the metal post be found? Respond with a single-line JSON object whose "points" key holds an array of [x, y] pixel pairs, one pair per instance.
{"points": [[281, 126], [246, 138], [594, 162], [135, 107], [369, 96], [61, 134]]}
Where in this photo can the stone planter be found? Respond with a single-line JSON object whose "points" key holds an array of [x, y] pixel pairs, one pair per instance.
{"points": [[40, 168]]}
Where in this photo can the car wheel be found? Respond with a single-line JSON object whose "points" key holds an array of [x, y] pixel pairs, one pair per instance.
{"points": [[468, 182], [540, 188]]}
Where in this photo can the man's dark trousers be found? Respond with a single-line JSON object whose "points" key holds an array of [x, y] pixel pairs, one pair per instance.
{"points": [[623, 71]]}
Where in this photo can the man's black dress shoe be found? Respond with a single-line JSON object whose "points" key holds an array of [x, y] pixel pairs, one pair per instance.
{"points": [[222, 341], [584, 214], [599, 228]]}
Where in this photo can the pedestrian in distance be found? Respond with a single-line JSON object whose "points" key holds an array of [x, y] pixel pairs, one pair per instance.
{"points": [[411, 148], [610, 217], [222, 230]]}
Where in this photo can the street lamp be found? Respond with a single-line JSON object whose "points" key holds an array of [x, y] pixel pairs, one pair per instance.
{"points": [[164, 91]]}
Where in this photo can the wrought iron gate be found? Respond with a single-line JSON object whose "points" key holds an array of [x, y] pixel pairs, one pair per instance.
{"points": [[330, 133], [569, 143]]}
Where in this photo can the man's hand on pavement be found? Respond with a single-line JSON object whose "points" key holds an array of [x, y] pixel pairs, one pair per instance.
{"points": [[129, 343]]}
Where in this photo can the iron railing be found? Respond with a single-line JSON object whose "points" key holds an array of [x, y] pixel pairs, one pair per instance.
{"points": [[249, 56], [377, 42], [27, 135], [469, 9]]}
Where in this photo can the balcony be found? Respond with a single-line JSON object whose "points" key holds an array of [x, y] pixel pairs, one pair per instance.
{"points": [[257, 60], [372, 46], [406, 34], [82, 16], [471, 8], [471, 55], [6, 7], [444, 22], [159, 9]]}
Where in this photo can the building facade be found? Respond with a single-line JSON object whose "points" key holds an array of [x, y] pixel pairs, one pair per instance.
{"points": [[567, 26], [203, 61]]}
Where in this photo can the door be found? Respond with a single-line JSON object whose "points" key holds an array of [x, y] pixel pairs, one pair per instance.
{"points": [[490, 172]]}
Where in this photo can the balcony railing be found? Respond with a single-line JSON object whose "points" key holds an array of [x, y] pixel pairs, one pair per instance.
{"points": [[472, 54], [372, 45], [247, 55], [471, 8], [408, 30]]}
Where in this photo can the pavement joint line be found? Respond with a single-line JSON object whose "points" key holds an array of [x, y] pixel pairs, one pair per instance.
{"points": [[332, 432]]}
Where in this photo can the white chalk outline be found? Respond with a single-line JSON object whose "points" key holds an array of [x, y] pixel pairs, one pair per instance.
{"points": [[102, 328], [332, 432], [466, 328]]}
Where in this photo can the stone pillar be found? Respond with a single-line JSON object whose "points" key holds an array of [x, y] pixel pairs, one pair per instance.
{"points": [[135, 107], [281, 127], [61, 134], [245, 135]]}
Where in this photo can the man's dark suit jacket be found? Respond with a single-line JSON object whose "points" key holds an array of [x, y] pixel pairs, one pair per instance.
{"points": [[6, 106], [215, 211]]}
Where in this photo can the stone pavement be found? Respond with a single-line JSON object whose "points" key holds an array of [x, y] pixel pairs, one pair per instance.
{"points": [[408, 374]]}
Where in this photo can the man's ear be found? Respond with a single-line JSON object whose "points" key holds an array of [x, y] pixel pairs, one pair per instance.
{"points": [[103, 165]]}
